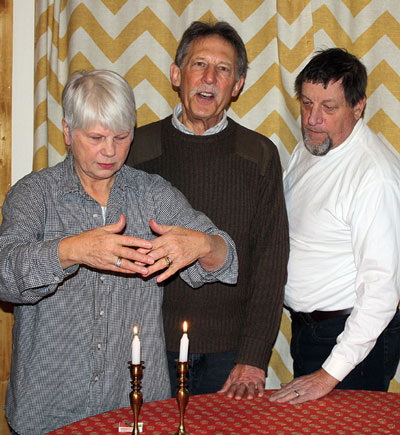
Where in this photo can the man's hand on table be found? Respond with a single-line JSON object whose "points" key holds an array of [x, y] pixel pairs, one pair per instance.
{"points": [[244, 381], [305, 388]]}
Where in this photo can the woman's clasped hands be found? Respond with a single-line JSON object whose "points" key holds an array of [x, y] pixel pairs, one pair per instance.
{"points": [[106, 248]]}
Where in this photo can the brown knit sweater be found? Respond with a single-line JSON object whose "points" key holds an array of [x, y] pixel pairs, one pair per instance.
{"points": [[235, 178]]}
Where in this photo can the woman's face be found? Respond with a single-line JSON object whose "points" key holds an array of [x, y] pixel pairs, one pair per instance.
{"points": [[98, 152]]}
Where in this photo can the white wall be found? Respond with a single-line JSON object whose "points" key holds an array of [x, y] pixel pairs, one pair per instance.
{"points": [[22, 88]]}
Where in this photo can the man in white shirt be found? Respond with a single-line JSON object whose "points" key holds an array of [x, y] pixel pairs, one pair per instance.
{"points": [[342, 189]]}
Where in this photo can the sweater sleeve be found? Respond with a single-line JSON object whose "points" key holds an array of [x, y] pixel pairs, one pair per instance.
{"points": [[269, 251]]}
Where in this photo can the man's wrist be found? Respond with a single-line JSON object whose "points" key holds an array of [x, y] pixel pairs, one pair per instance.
{"points": [[337, 367]]}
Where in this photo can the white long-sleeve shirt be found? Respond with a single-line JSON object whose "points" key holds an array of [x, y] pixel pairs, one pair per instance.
{"points": [[344, 224]]}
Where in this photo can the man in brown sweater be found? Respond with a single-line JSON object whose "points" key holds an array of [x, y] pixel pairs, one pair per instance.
{"points": [[232, 174]]}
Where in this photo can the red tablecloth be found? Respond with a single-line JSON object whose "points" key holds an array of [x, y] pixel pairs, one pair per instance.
{"points": [[341, 412]]}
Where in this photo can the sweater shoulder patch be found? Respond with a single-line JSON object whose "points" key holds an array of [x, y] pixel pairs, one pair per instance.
{"points": [[146, 144], [255, 147]]}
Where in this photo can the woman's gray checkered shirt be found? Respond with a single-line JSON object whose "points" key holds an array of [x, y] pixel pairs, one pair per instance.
{"points": [[73, 328]]}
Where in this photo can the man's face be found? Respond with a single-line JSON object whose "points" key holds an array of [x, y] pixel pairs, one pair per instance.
{"points": [[207, 81], [327, 120]]}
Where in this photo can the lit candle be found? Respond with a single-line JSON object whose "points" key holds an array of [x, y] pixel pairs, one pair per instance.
{"points": [[184, 347], [135, 346]]}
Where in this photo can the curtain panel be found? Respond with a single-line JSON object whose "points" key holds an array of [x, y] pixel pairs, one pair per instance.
{"points": [[138, 39]]}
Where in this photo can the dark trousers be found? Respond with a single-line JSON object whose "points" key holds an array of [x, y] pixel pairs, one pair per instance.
{"points": [[311, 344], [207, 371]]}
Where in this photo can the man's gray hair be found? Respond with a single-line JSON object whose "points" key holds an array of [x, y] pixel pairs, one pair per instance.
{"points": [[99, 96]]}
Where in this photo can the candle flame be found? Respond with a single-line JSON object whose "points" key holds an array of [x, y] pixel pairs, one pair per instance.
{"points": [[185, 326], [135, 330]]}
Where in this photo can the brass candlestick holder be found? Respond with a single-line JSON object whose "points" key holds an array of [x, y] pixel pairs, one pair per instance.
{"points": [[182, 396], [136, 395]]}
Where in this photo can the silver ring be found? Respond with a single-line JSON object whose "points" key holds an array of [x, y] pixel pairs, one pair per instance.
{"points": [[168, 260], [118, 262], [297, 394]]}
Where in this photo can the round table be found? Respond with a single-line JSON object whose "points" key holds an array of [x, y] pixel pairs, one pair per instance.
{"points": [[341, 412]]}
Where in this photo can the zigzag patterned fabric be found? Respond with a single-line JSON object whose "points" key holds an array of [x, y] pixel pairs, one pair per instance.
{"points": [[138, 39]]}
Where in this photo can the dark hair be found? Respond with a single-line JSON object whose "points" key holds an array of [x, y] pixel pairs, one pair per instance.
{"points": [[199, 29], [335, 64]]}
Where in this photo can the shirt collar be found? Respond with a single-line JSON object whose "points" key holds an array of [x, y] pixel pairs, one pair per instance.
{"points": [[182, 128], [70, 181], [349, 139]]}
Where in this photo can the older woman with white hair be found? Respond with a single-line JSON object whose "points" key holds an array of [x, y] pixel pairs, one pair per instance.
{"points": [[84, 248]]}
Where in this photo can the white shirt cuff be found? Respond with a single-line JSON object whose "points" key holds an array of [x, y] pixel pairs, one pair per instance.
{"points": [[337, 367]]}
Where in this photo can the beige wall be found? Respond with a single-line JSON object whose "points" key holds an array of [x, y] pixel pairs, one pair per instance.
{"points": [[6, 317], [22, 95]]}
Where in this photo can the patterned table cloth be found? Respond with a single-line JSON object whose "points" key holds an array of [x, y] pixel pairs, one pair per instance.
{"points": [[341, 412]]}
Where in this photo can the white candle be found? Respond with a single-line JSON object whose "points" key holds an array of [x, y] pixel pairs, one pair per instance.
{"points": [[184, 347], [135, 346]]}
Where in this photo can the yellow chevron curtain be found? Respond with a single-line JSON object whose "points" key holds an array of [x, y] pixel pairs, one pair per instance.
{"points": [[138, 39]]}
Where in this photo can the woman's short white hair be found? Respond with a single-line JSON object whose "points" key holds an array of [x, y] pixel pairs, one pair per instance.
{"points": [[99, 96]]}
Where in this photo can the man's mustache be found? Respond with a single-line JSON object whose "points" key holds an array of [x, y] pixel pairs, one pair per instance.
{"points": [[205, 89]]}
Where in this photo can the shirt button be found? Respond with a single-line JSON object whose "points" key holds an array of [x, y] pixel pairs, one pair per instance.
{"points": [[95, 215], [102, 278], [96, 378], [102, 313], [56, 279], [99, 346]]}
